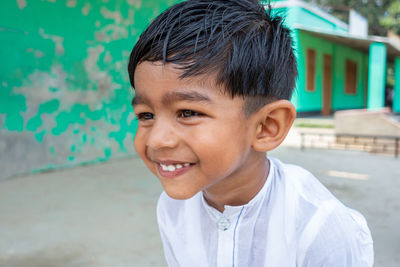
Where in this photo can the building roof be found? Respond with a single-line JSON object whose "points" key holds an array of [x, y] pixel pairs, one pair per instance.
{"points": [[356, 42], [313, 9]]}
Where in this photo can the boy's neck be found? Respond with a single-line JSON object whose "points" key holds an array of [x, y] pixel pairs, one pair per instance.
{"points": [[240, 190]]}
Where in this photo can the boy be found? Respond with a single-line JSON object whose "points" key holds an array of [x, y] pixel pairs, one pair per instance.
{"points": [[212, 82]]}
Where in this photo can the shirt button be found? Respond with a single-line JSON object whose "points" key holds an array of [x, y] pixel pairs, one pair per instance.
{"points": [[223, 224]]}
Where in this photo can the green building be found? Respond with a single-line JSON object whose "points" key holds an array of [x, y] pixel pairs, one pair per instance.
{"points": [[340, 65]]}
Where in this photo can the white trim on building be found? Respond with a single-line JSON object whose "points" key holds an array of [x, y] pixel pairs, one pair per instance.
{"points": [[313, 9]]}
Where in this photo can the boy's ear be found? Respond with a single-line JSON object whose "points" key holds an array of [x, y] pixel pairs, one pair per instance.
{"points": [[273, 123]]}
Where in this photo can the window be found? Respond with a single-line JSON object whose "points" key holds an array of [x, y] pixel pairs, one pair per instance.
{"points": [[350, 87], [310, 72]]}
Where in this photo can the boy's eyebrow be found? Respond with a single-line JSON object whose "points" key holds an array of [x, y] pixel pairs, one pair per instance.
{"points": [[185, 96], [172, 97], [138, 99]]}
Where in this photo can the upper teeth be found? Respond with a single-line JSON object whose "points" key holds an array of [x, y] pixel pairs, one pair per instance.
{"points": [[173, 167]]}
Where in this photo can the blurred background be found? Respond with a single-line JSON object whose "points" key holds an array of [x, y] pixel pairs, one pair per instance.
{"points": [[65, 107]]}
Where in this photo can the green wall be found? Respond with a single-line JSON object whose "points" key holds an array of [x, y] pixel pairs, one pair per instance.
{"points": [[64, 88], [306, 101], [341, 100]]}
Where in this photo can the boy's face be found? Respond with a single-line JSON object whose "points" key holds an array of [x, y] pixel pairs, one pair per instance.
{"points": [[190, 135]]}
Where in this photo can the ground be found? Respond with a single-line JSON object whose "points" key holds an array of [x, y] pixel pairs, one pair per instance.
{"points": [[104, 214]]}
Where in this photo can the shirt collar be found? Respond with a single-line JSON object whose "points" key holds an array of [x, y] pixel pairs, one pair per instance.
{"points": [[231, 211]]}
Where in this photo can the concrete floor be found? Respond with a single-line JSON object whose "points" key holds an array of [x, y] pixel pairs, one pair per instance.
{"points": [[104, 215]]}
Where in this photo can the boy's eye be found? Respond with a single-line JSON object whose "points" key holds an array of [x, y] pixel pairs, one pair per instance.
{"points": [[145, 116], [188, 113]]}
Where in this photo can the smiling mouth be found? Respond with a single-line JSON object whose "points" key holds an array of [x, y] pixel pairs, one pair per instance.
{"points": [[173, 167], [171, 170]]}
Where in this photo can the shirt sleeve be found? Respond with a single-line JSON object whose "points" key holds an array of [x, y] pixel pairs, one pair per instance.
{"points": [[343, 239]]}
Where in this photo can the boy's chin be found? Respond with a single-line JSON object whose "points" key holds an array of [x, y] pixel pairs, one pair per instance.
{"points": [[178, 194]]}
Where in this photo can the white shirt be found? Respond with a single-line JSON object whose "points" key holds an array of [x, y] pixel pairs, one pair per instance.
{"points": [[293, 221]]}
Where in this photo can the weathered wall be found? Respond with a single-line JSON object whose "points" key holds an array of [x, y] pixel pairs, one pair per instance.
{"points": [[64, 88]]}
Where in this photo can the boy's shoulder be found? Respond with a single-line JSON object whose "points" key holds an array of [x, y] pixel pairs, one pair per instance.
{"points": [[301, 183], [321, 222]]}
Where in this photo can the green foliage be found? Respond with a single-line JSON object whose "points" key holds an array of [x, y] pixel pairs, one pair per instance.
{"points": [[382, 15], [391, 18], [314, 125]]}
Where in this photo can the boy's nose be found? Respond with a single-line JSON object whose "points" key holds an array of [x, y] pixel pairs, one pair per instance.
{"points": [[162, 135]]}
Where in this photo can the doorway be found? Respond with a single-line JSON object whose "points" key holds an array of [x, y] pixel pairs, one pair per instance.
{"points": [[327, 86]]}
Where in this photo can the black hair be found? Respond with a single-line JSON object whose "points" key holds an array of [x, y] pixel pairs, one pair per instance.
{"points": [[247, 48]]}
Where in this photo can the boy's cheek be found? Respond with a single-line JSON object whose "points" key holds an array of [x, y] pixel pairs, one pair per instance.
{"points": [[140, 147], [135, 143], [139, 144], [141, 151]]}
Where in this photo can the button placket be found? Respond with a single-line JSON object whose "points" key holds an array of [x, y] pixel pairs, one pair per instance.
{"points": [[225, 242], [223, 223], [227, 249]]}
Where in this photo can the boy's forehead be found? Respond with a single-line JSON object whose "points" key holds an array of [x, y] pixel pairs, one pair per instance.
{"points": [[166, 80], [150, 70]]}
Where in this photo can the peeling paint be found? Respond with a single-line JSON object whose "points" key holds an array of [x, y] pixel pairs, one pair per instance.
{"points": [[111, 33], [39, 54], [21, 4], [114, 15], [135, 3], [64, 90], [59, 49], [92, 68], [71, 3], [108, 57], [86, 9]]}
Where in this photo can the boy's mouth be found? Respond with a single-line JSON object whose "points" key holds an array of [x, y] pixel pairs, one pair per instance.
{"points": [[171, 170], [173, 167]]}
